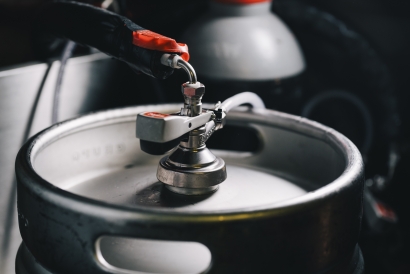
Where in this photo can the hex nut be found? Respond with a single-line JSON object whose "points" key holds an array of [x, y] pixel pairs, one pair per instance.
{"points": [[193, 90]]}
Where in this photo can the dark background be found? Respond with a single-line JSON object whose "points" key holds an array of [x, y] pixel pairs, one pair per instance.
{"points": [[384, 24]]}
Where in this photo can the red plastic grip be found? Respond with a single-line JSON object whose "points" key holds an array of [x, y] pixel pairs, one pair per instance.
{"points": [[155, 115], [150, 40]]}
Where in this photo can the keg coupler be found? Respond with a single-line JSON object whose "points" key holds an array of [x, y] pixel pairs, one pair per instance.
{"points": [[191, 168]]}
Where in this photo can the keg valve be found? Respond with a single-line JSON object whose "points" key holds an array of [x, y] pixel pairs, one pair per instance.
{"points": [[191, 168]]}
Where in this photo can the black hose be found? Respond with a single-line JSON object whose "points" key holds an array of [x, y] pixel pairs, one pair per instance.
{"points": [[348, 55], [103, 30], [67, 53]]}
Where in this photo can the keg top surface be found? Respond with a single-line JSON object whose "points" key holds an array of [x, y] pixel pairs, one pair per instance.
{"points": [[138, 186], [98, 157]]}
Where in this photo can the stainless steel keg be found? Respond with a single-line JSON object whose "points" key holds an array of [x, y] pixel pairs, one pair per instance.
{"points": [[26, 99], [89, 201]]}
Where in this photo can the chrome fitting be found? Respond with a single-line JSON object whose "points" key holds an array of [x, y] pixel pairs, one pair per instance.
{"points": [[191, 171], [193, 98]]}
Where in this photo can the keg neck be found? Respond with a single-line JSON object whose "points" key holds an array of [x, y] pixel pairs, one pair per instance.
{"points": [[224, 9]]}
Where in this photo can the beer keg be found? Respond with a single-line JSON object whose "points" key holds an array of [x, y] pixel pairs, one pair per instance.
{"points": [[89, 200]]}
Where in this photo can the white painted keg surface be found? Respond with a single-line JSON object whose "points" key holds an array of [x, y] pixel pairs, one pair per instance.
{"points": [[138, 186]]}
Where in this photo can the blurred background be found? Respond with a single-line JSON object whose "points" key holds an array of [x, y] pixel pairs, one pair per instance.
{"points": [[355, 80]]}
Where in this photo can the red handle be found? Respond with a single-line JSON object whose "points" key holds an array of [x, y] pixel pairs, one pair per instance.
{"points": [[154, 41]]}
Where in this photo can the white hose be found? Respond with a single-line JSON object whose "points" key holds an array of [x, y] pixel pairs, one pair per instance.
{"points": [[232, 102], [242, 98]]}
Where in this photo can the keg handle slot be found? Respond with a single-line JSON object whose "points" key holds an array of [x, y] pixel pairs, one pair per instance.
{"points": [[120, 254]]}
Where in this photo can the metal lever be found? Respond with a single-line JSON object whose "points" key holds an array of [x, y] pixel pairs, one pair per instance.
{"points": [[161, 128]]}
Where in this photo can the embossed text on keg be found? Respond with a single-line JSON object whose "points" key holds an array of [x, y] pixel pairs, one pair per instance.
{"points": [[106, 150]]}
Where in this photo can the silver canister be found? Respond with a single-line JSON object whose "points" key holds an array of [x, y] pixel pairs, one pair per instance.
{"points": [[26, 99], [89, 201]]}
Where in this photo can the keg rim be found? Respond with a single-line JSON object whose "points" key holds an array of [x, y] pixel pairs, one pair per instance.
{"points": [[353, 171]]}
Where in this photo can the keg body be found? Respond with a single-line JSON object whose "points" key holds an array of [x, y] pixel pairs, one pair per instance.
{"points": [[26, 100], [74, 189]]}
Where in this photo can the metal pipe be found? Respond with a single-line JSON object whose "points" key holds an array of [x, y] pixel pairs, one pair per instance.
{"points": [[175, 61], [188, 69]]}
